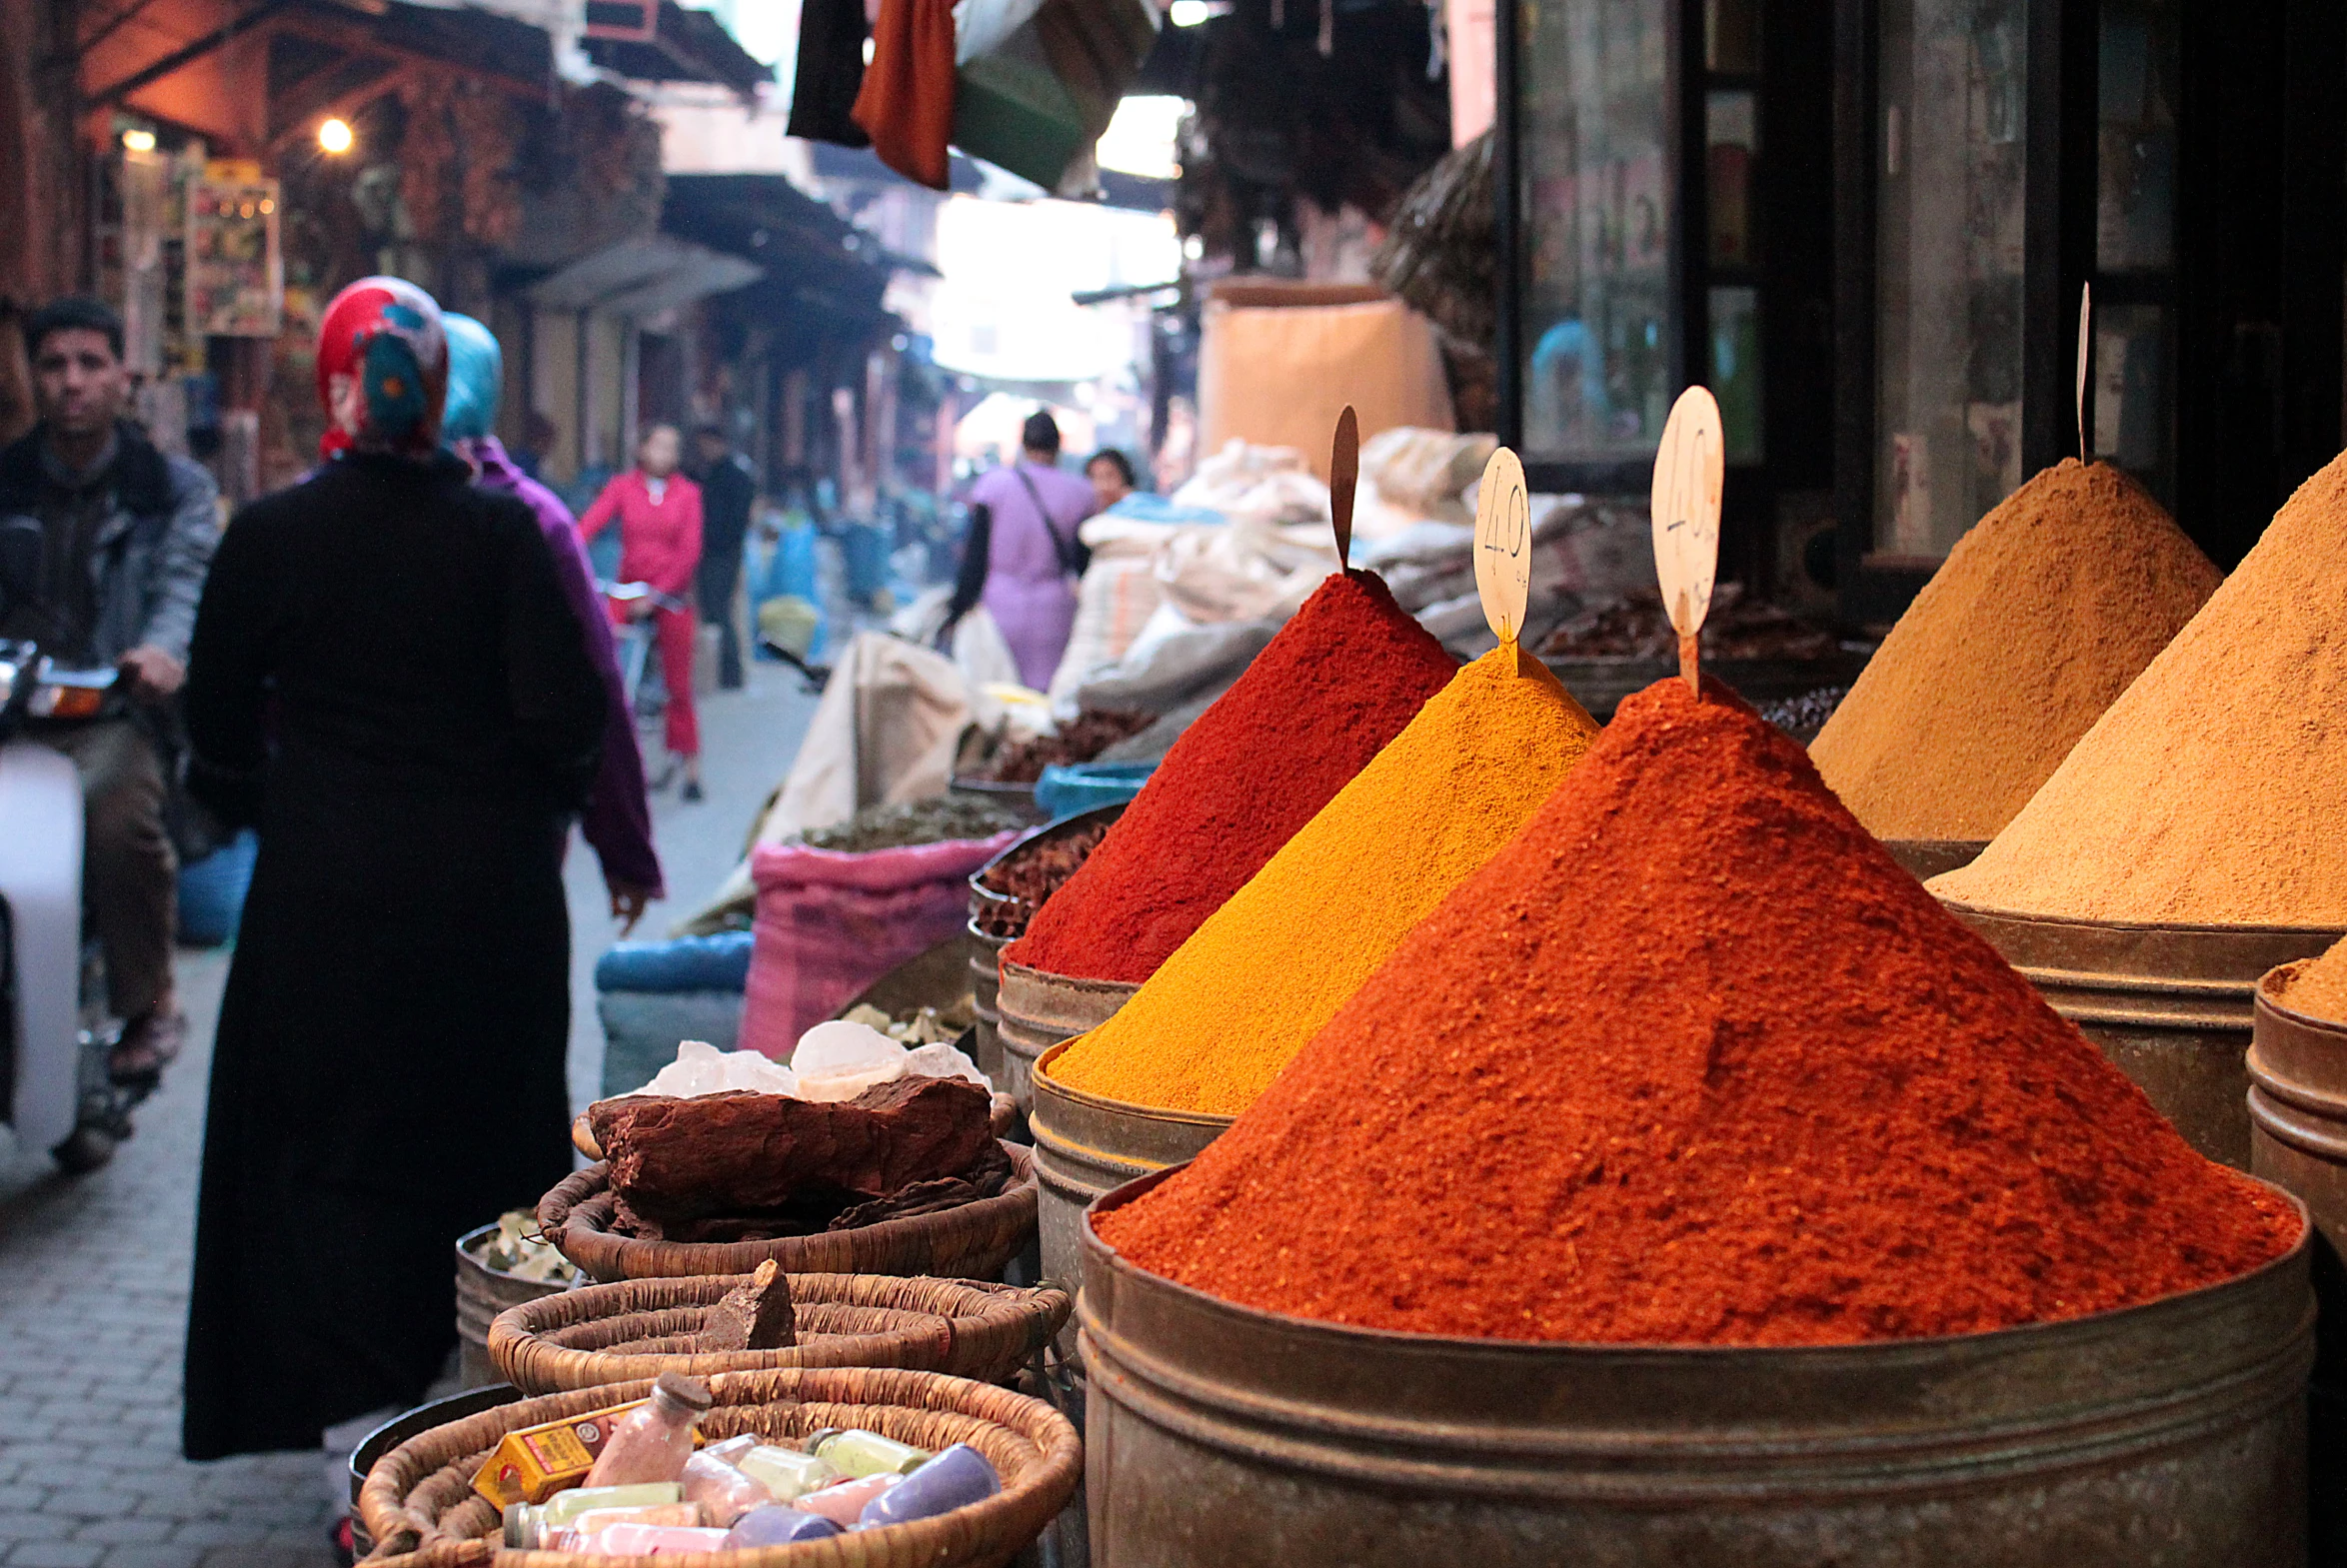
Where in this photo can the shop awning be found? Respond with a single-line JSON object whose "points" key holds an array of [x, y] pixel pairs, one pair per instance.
{"points": [[643, 278], [685, 46]]}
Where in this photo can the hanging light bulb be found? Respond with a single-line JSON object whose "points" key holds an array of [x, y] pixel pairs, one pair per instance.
{"points": [[334, 136]]}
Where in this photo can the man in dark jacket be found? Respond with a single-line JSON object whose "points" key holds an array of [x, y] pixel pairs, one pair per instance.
{"points": [[727, 491], [104, 543]]}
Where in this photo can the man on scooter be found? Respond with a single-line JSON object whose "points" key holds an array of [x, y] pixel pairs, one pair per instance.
{"points": [[104, 543]]}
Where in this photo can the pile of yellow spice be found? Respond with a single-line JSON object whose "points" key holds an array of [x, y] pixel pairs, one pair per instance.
{"points": [[1224, 1015]]}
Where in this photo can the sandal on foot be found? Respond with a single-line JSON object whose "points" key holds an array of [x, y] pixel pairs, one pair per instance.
{"points": [[147, 1046]]}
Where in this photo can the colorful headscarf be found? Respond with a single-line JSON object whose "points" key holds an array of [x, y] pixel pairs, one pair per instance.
{"points": [[382, 369], [476, 379]]}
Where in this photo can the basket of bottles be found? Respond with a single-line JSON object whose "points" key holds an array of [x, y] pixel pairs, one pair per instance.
{"points": [[894, 1467]]}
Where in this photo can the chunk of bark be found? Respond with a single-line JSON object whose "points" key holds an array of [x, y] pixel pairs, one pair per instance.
{"points": [[755, 1316], [675, 1162], [982, 1181]]}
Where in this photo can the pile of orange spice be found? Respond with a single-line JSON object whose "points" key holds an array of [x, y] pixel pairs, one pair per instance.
{"points": [[1691, 1061]]}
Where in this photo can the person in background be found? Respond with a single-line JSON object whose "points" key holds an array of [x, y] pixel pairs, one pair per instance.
{"points": [[104, 543], [658, 513], [1111, 475], [618, 820], [1023, 557], [728, 489], [386, 680]]}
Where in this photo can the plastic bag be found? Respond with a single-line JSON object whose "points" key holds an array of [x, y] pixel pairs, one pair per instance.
{"points": [[830, 923]]}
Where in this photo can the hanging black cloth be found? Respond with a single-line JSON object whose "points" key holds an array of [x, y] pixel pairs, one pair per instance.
{"points": [[831, 72]]}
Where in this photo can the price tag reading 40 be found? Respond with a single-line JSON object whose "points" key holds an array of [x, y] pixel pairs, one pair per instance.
{"points": [[1503, 545], [1689, 472]]}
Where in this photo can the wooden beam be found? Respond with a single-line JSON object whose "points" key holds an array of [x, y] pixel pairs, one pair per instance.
{"points": [[362, 40], [322, 91], [186, 55], [343, 105]]}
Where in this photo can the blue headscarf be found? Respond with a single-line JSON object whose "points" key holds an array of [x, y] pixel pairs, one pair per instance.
{"points": [[476, 379]]}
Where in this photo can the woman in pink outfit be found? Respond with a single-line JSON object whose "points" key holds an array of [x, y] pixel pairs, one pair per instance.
{"points": [[660, 543]]}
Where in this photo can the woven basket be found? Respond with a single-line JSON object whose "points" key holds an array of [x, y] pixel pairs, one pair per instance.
{"points": [[974, 1241], [419, 1503], [642, 1327]]}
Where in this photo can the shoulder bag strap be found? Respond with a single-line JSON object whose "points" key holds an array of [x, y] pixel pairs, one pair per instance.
{"points": [[1070, 563]]}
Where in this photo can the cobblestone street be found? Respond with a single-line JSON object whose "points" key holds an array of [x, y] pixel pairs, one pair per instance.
{"points": [[94, 1270]]}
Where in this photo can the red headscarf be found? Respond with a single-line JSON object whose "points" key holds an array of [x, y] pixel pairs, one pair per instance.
{"points": [[382, 369]]}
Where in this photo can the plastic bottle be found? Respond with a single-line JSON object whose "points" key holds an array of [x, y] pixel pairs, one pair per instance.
{"points": [[954, 1479], [723, 1492], [776, 1525], [653, 1442], [786, 1473], [843, 1504], [526, 1523], [859, 1452], [596, 1520], [649, 1540], [732, 1449]]}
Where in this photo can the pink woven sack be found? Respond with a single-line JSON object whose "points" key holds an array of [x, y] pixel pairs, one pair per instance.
{"points": [[829, 923]]}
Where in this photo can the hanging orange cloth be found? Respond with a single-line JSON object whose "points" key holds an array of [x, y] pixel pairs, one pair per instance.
{"points": [[907, 102]]}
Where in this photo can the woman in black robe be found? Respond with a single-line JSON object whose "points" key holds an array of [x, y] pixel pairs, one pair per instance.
{"points": [[387, 681]]}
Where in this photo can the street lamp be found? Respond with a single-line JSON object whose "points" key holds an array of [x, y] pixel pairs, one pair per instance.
{"points": [[334, 136]]}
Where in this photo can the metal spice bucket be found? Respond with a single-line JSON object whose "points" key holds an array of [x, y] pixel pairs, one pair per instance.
{"points": [[482, 1293], [2171, 1432], [644, 1327], [985, 905], [2170, 1005], [418, 1499], [2299, 1140], [986, 978], [1086, 1145], [1038, 1010], [1924, 859]]}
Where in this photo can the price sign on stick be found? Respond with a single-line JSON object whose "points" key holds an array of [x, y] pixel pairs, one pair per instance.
{"points": [[1503, 545], [2085, 325], [1344, 470], [1689, 472]]}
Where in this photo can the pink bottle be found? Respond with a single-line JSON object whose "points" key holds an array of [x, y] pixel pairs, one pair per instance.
{"points": [[651, 1540], [653, 1442], [723, 1492], [843, 1504]]}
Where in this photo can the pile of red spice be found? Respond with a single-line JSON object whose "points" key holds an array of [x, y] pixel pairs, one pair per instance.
{"points": [[1691, 1061], [1341, 679]]}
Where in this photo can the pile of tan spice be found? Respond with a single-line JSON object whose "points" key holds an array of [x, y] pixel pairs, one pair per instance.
{"points": [[2040, 617], [2210, 792], [2317, 988]]}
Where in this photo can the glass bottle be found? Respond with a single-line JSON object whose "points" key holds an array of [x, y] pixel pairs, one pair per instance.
{"points": [[653, 1442]]}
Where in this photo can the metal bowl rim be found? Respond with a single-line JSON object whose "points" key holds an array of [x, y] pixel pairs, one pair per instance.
{"points": [[1411, 1342], [2289, 1015], [1958, 906], [1100, 1102]]}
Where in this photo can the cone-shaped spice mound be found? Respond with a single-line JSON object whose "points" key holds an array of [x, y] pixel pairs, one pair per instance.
{"points": [[2210, 792], [2319, 988], [1220, 1018], [1323, 698], [1692, 1061], [2037, 621]]}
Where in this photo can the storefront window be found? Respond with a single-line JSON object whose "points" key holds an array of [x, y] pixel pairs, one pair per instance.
{"points": [[1598, 206], [2135, 238], [1949, 268]]}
